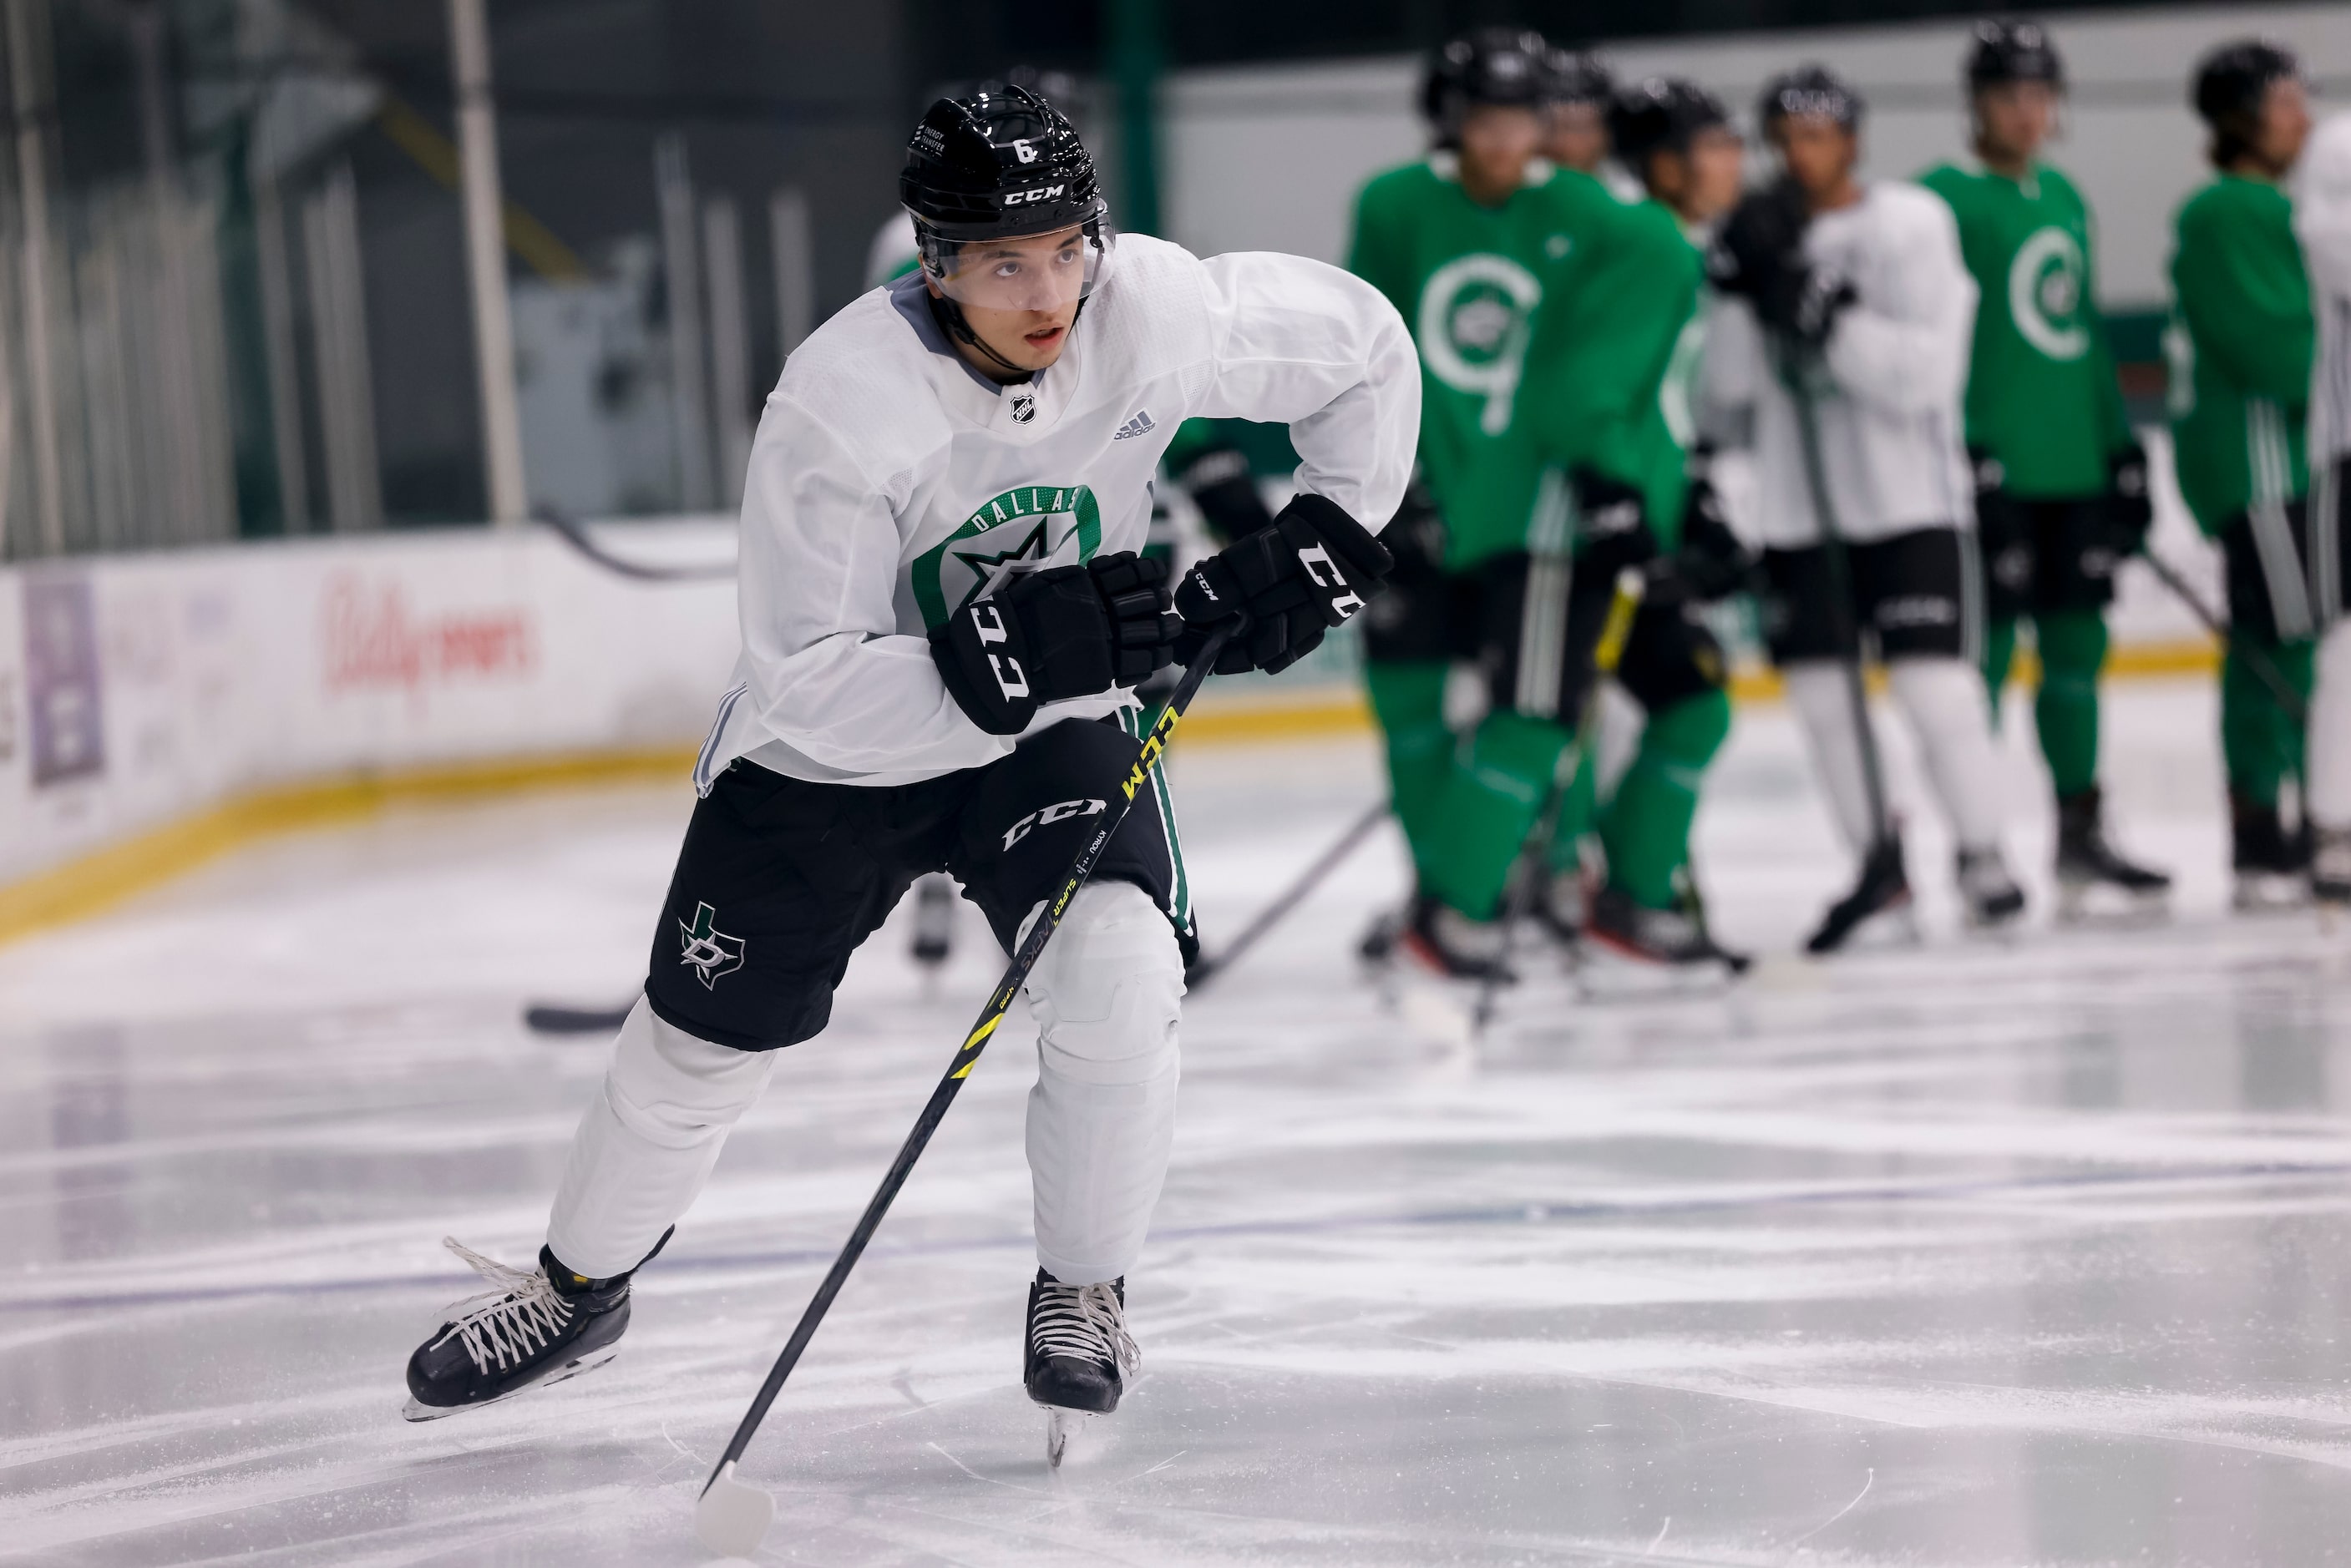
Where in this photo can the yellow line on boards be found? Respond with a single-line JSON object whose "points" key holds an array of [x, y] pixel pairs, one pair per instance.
{"points": [[92, 883]]}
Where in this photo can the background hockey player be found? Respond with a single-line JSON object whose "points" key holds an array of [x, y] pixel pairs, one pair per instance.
{"points": [[1475, 245], [942, 611], [1677, 140], [1845, 330], [2242, 345], [1462, 243], [1582, 89], [2322, 219], [2060, 482]]}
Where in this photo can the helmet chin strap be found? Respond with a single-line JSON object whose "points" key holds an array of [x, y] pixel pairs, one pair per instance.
{"points": [[950, 317]]}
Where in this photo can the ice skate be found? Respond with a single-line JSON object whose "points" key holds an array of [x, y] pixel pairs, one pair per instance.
{"points": [[2093, 881], [1878, 909], [2273, 867], [2330, 865], [1442, 941], [1377, 944], [1988, 895], [531, 1327], [1633, 950], [1078, 1359]]}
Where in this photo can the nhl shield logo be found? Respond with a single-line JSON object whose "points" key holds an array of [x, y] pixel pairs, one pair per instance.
{"points": [[1024, 407], [711, 952]]}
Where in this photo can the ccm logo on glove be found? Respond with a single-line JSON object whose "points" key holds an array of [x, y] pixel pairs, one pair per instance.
{"points": [[1288, 582], [1049, 635]]}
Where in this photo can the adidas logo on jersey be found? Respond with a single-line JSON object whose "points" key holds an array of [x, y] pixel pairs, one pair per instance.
{"points": [[1141, 424]]}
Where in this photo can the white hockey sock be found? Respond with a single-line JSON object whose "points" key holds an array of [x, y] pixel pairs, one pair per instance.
{"points": [[1944, 699], [1105, 997], [648, 1142], [2329, 739], [1818, 691]]}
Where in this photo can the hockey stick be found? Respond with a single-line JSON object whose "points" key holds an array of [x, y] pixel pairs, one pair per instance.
{"points": [[1308, 880], [1533, 858], [554, 1018], [732, 1515], [570, 531], [1840, 566], [2264, 666]]}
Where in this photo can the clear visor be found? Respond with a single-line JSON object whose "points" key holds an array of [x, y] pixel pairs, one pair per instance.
{"points": [[1046, 272]]}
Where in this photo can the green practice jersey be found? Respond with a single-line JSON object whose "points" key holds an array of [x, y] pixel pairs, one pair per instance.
{"points": [[2240, 345], [1614, 363], [2042, 393], [1469, 281]]}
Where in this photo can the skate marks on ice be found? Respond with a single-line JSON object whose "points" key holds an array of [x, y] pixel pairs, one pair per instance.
{"points": [[2043, 1247]]}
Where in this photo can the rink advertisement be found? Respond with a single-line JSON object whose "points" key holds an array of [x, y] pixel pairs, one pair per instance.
{"points": [[136, 691]]}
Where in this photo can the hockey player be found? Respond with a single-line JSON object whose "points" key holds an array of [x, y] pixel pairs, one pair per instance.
{"points": [[2242, 347], [1677, 140], [2323, 218], [1845, 330], [2060, 482], [941, 611], [1581, 92], [1479, 246]]}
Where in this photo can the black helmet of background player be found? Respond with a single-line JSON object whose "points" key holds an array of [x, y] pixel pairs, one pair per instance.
{"points": [[1002, 164], [1491, 67], [2232, 90], [1811, 90], [2012, 50], [1581, 87], [1660, 114]]}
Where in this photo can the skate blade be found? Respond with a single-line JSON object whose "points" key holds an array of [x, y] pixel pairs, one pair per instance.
{"points": [[1889, 930], [413, 1411], [1072, 1437], [2268, 894], [2100, 904], [732, 1515], [1603, 974]]}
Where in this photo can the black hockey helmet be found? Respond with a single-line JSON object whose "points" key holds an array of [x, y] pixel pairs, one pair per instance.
{"points": [[2231, 83], [1002, 165], [998, 163], [1660, 114], [1493, 66], [1578, 75], [1809, 88], [2012, 49]]}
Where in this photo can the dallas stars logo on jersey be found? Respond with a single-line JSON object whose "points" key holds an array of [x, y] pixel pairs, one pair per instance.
{"points": [[2045, 286], [1472, 326], [707, 950], [1030, 522]]}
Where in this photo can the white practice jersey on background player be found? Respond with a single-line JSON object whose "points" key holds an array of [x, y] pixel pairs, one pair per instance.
{"points": [[889, 481], [1891, 437], [2322, 213]]}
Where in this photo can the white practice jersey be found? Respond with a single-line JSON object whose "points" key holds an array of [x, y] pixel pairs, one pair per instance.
{"points": [[1889, 417], [889, 481], [2322, 216]]}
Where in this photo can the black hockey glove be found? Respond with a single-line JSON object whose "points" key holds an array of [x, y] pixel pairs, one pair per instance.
{"points": [[1759, 256], [1065, 631], [1612, 525], [1289, 583], [1219, 484], [2130, 502], [1713, 562], [1760, 243]]}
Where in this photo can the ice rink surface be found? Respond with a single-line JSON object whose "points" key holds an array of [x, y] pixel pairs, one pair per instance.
{"points": [[2031, 1253]]}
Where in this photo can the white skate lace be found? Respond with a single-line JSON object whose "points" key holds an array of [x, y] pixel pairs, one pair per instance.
{"points": [[1086, 1322], [518, 1315]]}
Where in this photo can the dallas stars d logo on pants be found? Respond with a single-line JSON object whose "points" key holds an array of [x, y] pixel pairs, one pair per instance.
{"points": [[710, 950]]}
